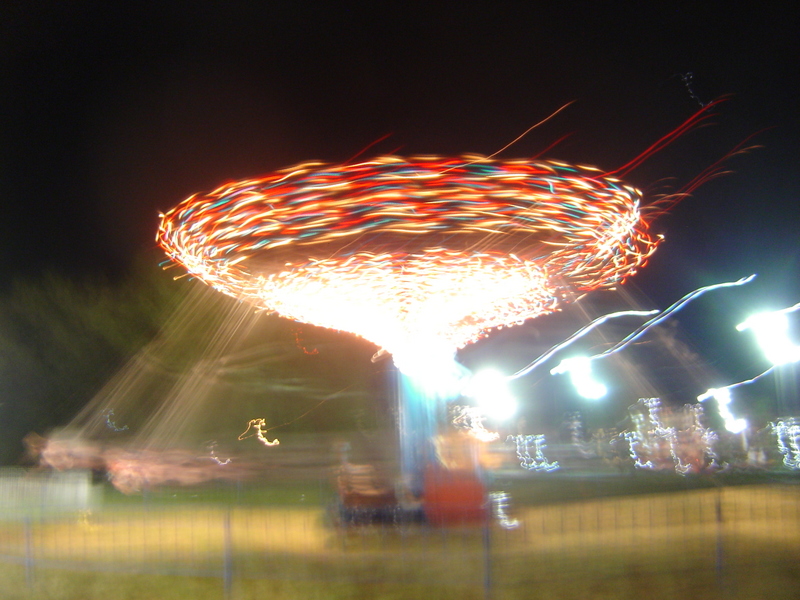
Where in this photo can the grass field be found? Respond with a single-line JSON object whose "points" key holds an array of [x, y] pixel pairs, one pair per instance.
{"points": [[708, 542]]}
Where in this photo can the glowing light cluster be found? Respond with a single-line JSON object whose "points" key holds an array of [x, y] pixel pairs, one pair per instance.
{"points": [[490, 390], [257, 426], [500, 501], [536, 462], [470, 420], [662, 438], [412, 253], [723, 398], [788, 434], [580, 371], [772, 333]]}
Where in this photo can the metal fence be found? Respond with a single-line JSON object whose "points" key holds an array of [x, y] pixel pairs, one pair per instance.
{"points": [[714, 541]]}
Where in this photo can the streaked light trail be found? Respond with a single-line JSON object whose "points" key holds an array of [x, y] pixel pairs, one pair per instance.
{"points": [[570, 365], [770, 330], [412, 253]]}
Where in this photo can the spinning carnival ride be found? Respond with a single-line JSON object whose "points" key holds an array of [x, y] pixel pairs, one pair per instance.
{"points": [[420, 256]]}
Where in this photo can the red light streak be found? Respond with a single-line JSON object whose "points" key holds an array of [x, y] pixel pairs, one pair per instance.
{"points": [[411, 252]]}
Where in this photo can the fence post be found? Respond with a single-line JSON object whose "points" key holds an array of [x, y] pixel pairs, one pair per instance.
{"points": [[719, 549], [227, 557], [28, 553], [487, 559]]}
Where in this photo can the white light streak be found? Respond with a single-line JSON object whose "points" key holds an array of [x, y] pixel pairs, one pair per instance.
{"points": [[788, 433], [499, 509], [580, 372], [579, 334], [723, 398], [772, 333], [537, 462], [580, 368]]}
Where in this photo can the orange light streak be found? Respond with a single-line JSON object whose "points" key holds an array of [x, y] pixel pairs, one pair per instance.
{"points": [[412, 253]]}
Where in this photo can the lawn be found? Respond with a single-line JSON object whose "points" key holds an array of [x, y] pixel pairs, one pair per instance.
{"points": [[697, 542]]}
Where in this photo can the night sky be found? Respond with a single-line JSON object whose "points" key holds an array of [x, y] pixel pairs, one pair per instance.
{"points": [[112, 114]]}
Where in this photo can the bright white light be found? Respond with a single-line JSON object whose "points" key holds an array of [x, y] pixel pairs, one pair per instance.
{"points": [[490, 390], [736, 426], [580, 372], [772, 333], [723, 398], [432, 366]]}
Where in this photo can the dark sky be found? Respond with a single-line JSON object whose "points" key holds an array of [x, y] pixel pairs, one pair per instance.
{"points": [[111, 114]]}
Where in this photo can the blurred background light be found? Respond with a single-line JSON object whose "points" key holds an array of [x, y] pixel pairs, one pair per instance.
{"points": [[580, 372], [772, 334], [490, 390], [723, 398]]}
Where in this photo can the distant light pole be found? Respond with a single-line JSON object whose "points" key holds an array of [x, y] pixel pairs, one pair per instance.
{"points": [[580, 372], [772, 334]]}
